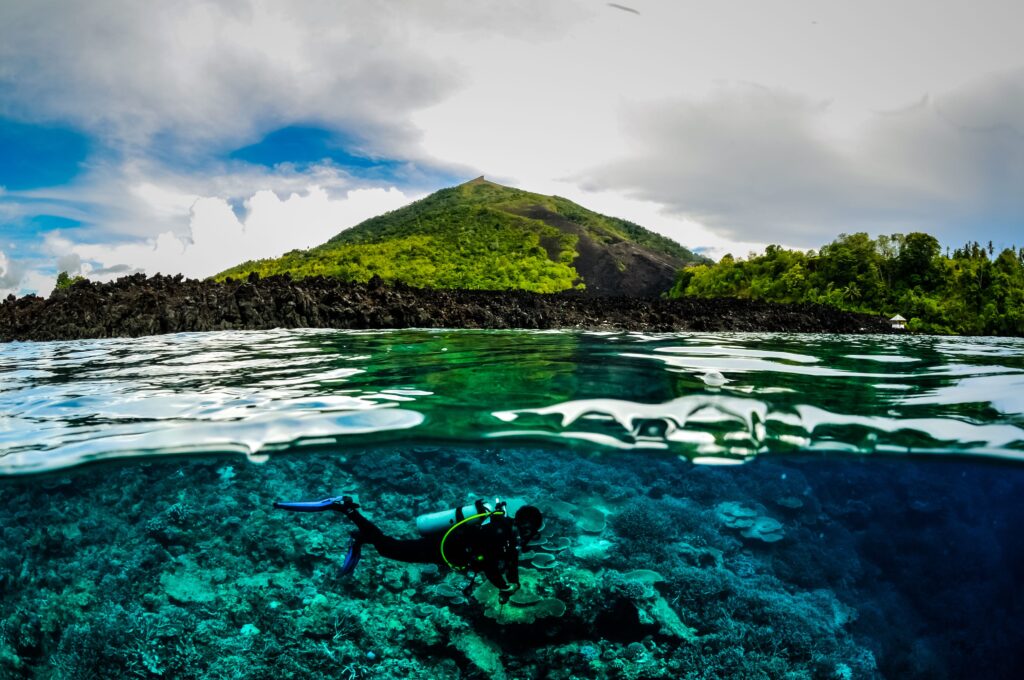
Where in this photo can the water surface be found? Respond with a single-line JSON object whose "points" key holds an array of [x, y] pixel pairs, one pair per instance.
{"points": [[710, 398]]}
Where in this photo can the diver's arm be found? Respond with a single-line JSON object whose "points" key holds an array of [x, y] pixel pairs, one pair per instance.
{"points": [[505, 589], [513, 569], [493, 575]]}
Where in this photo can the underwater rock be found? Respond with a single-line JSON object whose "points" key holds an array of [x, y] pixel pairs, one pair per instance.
{"points": [[449, 592], [736, 515], [653, 609], [561, 509], [446, 590], [548, 607], [790, 502], [765, 529], [524, 598], [9, 660], [591, 549], [526, 609], [704, 558], [661, 613], [188, 585], [482, 653], [557, 544], [644, 576], [590, 520], [635, 651], [750, 522], [429, 570]]}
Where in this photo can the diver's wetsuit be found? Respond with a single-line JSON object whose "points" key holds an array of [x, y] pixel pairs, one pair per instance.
{"points": [[489, 548]]}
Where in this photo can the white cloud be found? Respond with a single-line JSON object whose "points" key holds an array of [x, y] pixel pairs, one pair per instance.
{"points": [[17, 278], [11, 275], [142, 199], [220, 72], [40, 283], [217, 239], [755, 163]]}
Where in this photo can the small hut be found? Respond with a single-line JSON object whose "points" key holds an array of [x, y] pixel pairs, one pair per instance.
{"points": [[898, 322]]}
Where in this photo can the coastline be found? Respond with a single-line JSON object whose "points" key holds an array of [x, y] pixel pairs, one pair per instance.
{"points": [[135, 306]]}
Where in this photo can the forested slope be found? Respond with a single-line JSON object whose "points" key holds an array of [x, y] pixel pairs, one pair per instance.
{"points": [[481, 235], [972, 290]]}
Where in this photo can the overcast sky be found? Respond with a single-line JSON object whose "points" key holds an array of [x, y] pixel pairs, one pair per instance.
{"points": [[191, 135]]}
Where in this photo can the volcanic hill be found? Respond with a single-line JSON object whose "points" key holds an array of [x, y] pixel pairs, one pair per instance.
{"points": [[485, 236]]}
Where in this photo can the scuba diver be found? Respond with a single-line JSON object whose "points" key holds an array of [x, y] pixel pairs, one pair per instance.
{"points": [[474, 538]]}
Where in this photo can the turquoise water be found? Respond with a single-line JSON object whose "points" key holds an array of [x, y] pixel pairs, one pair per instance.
{"points": [[136, 478], [719, 398]]}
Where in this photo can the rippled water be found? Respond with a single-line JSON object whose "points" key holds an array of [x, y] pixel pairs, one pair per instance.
{"points": [[713, 398]]}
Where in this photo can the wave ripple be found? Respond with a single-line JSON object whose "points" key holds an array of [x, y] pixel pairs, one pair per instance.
{"points": [[711, 398]]}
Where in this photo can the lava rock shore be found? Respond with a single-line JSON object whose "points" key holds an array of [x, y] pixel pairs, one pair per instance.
{"points": [[138, 305]]}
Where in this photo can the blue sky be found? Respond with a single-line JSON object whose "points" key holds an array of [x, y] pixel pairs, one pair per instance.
{"points": [[39, 156], [189, 136]]}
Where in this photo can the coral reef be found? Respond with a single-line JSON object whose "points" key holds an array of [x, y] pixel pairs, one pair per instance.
{"points": [[182, 569]]}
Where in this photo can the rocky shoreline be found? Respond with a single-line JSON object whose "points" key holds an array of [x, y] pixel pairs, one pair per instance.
{"points": [[135, 305]]}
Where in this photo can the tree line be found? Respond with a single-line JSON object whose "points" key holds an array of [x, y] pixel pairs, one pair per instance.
{"points": [[970, 291]]}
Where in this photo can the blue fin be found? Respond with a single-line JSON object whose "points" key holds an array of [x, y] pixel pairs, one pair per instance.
{"points": [[355, 549]]}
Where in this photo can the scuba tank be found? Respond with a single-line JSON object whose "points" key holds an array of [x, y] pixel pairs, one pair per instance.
{"points": [[443, 520]]}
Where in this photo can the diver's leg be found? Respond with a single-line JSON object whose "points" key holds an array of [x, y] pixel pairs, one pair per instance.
{"points": [[368, 531], [421, 550]]}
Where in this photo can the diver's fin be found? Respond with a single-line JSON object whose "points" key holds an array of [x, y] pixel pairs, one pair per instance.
{"points": [[308, 506], [355, 550], [338, 503]]}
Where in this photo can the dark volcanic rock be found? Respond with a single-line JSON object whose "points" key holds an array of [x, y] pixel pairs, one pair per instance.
{"points": [[136, 305], [613, 268]]}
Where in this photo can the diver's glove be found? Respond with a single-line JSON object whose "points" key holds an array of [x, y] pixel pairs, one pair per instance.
{"points": [[343, 504], [504, 595]]}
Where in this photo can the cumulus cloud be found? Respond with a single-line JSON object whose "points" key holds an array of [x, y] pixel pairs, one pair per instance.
{"points": [[218, 239], [70, 263], [17, 277], [142, 199], [38, 283], [11, 274], [759, 164], [202, 71]]}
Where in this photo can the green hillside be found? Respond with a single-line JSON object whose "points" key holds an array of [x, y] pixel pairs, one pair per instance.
{"points": [[481, 235], [971, 291]]}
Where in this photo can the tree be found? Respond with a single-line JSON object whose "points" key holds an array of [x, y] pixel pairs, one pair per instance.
{"points": [[916, 262], [967, 293], [65, 281]]}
